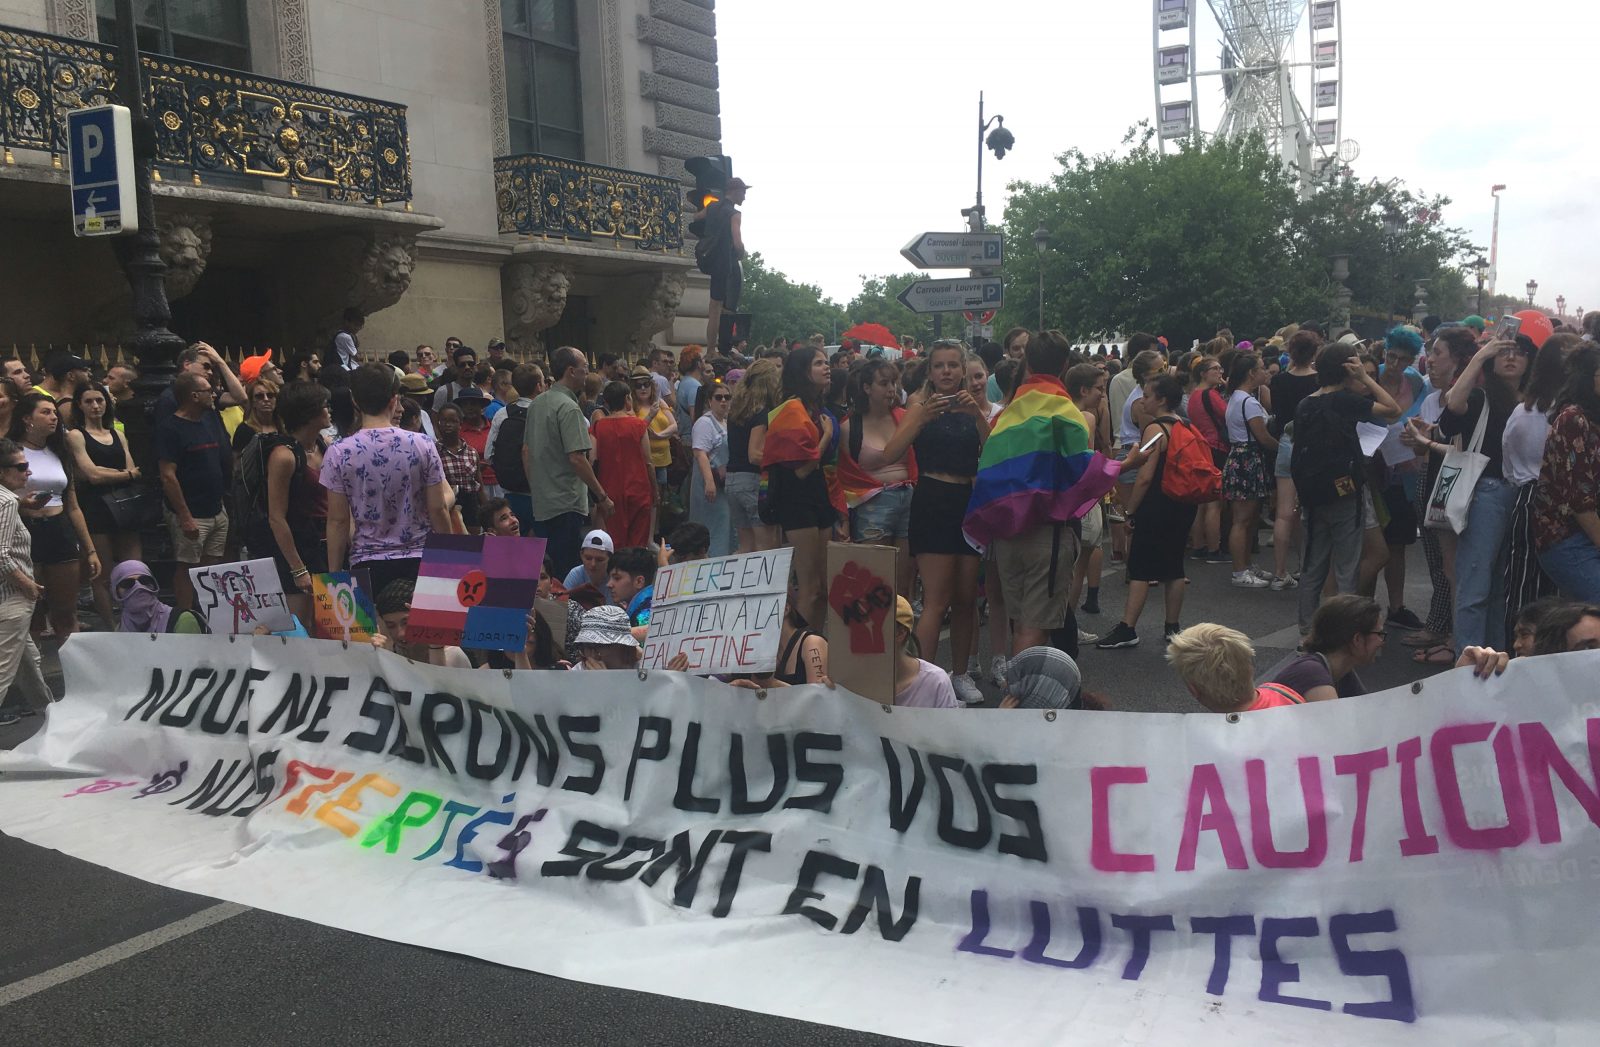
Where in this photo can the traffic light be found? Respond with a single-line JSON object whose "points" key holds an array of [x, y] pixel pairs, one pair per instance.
{"points": [[711, 174]]}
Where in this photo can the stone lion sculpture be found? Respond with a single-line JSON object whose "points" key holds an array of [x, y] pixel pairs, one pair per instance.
{"points": [[535, 296], [185, 247]]}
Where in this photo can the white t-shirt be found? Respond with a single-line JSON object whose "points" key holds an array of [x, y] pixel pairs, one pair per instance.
{"points": [[46, 473], [1128, 433], [929, 689], [708, 435], [1241, 408], [1522, 445]]}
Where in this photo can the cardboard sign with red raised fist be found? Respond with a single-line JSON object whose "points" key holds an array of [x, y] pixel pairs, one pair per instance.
{"points": [[861, 619]]}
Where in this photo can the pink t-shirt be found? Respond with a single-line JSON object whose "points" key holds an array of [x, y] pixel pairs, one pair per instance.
{"points": [[929, 689], [1272, 696], [385, 474]]}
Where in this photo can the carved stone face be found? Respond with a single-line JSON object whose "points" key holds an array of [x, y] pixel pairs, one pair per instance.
{"points": [[185, 246], [389, 269]]}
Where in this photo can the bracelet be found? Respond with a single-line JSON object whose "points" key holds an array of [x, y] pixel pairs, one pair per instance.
{"points": [[301, 573]]}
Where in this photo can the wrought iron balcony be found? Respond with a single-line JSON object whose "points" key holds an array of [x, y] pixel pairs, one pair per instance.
{"points": [[210, 120], [550, 196]]}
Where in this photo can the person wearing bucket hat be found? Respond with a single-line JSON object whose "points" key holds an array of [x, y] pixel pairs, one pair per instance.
{"points": [[605, 641], [917, 683], [1043, 678]]}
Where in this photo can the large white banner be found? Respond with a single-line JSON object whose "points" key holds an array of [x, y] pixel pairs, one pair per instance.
{"points": [[1414, 868]]}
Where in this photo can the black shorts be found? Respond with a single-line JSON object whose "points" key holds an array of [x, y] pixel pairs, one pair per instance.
{"points": [[1160, 534], [727, 284], [54, 540], [938, 509], [313, 550], [798, 503], [382, 572], [1402, 526]]}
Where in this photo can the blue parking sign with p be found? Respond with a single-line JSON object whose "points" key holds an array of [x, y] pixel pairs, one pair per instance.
{"points": [[100, 166]]}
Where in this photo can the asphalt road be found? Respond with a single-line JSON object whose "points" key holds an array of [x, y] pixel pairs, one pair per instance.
{"points": [[90, 957]]}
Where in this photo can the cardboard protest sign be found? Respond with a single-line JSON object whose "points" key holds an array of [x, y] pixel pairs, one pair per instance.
{"points": [[861, 619], [241, 597], [1393, 870], [725, 614], [341, 608], [475, 590]]}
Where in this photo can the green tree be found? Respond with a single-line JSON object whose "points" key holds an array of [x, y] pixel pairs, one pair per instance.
{"points": [[781, 308], [1216, 234]]}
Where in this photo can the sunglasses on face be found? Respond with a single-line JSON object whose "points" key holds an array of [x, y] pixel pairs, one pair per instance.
{"points": [[722, 398], [128, 584], [263, 396], [18, 465]]}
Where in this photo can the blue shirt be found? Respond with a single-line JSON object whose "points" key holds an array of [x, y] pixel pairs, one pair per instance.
{"points": [[639, 606]]}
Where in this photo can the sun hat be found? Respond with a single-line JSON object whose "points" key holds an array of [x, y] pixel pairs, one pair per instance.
{"points": [[605, 625], [1043, 678]]}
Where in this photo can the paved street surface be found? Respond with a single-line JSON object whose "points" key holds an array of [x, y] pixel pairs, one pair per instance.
{"points": [[90, 957]]}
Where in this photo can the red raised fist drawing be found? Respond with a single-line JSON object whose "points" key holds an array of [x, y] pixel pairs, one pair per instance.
{"points": [[862, 601]]}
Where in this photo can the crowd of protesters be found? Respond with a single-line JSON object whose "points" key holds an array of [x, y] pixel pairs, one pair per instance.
{"points": [[999, 476]]}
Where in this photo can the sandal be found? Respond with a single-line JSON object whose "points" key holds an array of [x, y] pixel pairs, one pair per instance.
{"points": [[1437, 654], [1422, 639]]}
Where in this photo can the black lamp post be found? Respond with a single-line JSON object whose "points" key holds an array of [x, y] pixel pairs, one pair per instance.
{"points": [[1532, 289], [1480, 268], [1041, 243], [1001, 141], [155, 346]]}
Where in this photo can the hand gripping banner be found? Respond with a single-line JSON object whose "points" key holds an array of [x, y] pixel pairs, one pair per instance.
{"points": [[1414, 868]]}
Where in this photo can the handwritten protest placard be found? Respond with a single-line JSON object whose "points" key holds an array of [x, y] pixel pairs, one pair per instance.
{"points": [[724, 614], [241, 597], [475, 590], [342, 609], [861, 619]]}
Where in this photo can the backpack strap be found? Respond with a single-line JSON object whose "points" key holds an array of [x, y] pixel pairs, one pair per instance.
{"points": [[1288, 693]]}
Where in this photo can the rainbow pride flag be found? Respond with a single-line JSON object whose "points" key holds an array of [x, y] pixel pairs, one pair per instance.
{"points": [[792, 435], [1037, 467]]}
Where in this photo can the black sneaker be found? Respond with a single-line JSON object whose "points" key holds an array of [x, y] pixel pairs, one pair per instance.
{"points": [[1124, 635], [1404, 618], [1172, 629], [1091, 604]]}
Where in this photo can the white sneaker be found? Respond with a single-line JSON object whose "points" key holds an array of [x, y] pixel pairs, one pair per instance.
{"points": [[1249, 580], [1265, 576], [1284, 582], [972, 666], [1087, 637], [967, 692], [997, 670]]}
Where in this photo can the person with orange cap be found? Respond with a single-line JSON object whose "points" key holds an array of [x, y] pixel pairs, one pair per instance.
{"points": [[260, 366]]}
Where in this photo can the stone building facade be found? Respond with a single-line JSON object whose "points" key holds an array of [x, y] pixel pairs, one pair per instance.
{"points": [[452, 167]]}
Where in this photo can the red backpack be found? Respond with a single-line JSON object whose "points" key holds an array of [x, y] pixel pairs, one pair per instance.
{"points": [[1189, 474]]}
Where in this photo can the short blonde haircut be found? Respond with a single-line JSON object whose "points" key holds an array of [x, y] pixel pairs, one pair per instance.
{"points": [[1217, 663]]}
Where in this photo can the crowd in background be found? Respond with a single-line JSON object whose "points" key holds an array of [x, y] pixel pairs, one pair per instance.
{"points": [[990, 471]]}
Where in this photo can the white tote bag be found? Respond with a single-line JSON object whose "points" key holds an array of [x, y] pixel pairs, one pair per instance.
{"points": [[1451, 498]]}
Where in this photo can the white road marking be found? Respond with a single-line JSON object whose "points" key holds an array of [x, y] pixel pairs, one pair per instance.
{"points": [[21, 990]]}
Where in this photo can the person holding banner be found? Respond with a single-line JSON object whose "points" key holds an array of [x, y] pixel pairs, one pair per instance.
{"points": [[386, 486], [394, 611]]}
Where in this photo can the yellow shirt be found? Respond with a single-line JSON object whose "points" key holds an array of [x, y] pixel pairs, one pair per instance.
{"points": [[660, 446]]}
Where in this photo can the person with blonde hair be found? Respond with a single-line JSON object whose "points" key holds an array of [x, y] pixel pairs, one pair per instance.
{"points": [[758, 391], [1218, 665]]}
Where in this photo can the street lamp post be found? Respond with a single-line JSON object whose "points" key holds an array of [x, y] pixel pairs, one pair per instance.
{"points": [[1532, 289], [1480, 266], [1001, 141], [1041, 243], [155, 346], [1561, 305]]}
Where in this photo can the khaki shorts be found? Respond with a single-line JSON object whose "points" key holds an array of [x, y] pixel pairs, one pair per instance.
{"points": [[1036, 596], [211, 544]]}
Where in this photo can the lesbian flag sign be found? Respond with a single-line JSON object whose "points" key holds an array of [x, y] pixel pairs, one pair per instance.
{"points": [[475, 590]]}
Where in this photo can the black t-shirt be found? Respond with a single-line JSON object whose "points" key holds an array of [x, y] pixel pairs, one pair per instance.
{"points": [[714, 251], [202, 455], [1462, 425], [1327, 463], [1287, 392], [739, 444]]}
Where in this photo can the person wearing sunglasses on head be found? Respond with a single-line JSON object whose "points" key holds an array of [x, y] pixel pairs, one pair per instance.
{"points": [[19, 658]]}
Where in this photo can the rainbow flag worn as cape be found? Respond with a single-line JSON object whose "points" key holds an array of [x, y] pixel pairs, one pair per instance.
{"points": [[792, 435], [1037, 467]]}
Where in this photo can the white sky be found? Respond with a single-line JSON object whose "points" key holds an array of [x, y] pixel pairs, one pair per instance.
{"points": [[856, 120]]}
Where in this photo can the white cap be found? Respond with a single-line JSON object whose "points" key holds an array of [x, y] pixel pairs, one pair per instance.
{"points": [[598, 539]]}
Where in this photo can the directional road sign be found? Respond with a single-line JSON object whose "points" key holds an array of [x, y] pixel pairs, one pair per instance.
{"points": [[955, 251], [953, 296], [100, 159]]}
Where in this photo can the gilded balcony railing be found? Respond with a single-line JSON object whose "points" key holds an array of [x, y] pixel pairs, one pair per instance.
{"points": [[210, 120], [551, 196]]}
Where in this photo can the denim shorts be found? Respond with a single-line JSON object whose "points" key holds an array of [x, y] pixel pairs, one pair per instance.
{"points": [[883, 519], [744, 495], [1280, 468]]}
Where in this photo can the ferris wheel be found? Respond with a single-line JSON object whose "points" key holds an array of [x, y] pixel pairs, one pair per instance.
{"points": [[1269, 86]]}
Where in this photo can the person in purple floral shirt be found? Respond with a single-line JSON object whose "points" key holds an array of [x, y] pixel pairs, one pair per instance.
{"points": [[386, 486], [1566, 526]]}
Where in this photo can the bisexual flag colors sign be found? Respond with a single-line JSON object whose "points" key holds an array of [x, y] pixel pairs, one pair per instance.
{"points": [[475, 590]]}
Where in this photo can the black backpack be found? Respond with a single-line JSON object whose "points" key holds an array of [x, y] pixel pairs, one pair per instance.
{"points": [[250, 472], [1327, 462], [506, 454]]}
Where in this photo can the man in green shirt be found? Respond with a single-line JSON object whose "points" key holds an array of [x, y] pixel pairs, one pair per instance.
{"points": [[555, 452]]}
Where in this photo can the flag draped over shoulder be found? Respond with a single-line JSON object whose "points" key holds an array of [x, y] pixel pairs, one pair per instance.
{"points": [[1037, 467], [792, 435], [858, 485]]}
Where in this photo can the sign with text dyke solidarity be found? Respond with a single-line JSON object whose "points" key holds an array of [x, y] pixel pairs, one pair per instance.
{"points": [[475, 590], [724, 614], [860, 629], [241, 597], [342, 609], [1394, 869]]}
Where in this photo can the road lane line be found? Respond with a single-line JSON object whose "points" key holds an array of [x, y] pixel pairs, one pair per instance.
{"points": [[21, 990]]}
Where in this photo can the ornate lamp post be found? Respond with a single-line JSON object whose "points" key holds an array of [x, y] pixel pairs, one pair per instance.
{"points": [[1001, 141], [1480, 267], [1561, 305], [1041, 243], [1532, 289]]}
